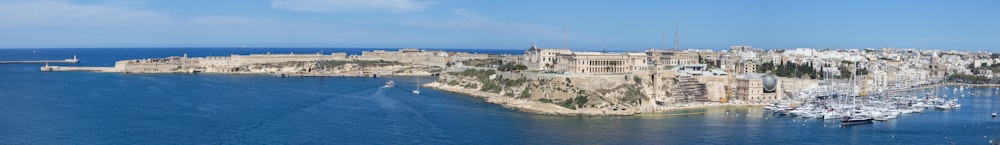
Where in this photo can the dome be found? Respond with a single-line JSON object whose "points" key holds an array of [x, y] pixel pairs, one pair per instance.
{"points": [[770, 83]]}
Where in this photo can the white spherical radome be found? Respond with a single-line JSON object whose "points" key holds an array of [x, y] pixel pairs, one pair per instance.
{"points": [[770, 82]]}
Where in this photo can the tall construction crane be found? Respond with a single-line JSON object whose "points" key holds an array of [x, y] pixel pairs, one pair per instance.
{"points": [[729, 84]]}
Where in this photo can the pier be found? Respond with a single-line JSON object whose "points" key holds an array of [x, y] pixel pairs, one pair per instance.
{"points": [[73, 60], [77, 68]]}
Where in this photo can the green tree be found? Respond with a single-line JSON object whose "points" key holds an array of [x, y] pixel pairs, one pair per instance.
{"points": [[524, 94], [581, 100], [844, 73]]}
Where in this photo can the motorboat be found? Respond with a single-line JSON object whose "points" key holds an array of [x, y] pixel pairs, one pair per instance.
{"points": [[389, 84], [881, 118], [809, 114], [799, 111], [907, 111], [832, 115]]}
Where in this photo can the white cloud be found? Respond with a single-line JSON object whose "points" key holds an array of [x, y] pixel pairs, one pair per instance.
{"points": [[468, 20], [463, 13], [48, 13], [394, 6], [65, 24]]}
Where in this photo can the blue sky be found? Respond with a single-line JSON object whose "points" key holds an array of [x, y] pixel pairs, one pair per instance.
{"points": [[507, 24]]}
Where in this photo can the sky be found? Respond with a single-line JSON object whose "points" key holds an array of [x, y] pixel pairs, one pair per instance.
{"points": [[506, 24]]}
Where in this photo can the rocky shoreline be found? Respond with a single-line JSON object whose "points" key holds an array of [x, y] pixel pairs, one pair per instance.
{"points": [[556, 110], [526, 105]]}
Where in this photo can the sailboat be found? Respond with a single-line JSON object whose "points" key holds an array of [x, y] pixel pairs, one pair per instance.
{"points": [[417, 90]]}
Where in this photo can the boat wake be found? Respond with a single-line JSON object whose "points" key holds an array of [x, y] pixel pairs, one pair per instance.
{"points": [[399, 114], [237, 133]]}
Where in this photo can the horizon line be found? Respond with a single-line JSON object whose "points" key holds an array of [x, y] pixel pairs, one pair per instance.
{"points": [[596, 49]]}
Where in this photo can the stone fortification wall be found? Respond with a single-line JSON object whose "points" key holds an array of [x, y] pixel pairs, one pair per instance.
{"points": [[715, 85], [146, 67], [214, 61], [275, 58], [590, 82]]}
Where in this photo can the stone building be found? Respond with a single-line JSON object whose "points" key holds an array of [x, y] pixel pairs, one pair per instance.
{"points": [[746, 67], [542, 58], [674, 57], [601, 63], [757, 88], [567, 61]]}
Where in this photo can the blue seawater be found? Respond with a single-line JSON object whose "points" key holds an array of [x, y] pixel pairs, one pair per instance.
{"points": [[110, 108]]}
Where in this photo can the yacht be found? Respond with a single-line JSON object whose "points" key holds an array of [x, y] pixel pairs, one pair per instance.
{"points": [[417, 90], [856, 120], [949, 105]]}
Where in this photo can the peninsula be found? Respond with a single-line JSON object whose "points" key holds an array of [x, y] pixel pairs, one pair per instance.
{"points": [[560, 81]]}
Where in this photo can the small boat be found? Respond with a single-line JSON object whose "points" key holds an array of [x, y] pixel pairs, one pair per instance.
{"points": [[949, 105], [994, 114], [389, 84], [770, 107]]}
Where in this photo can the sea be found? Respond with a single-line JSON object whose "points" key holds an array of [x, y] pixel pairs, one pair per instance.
{"points": [[113, 108]]}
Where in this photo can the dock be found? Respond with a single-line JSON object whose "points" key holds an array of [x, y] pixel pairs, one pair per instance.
{"points": [[75, 68], [73, 60]]}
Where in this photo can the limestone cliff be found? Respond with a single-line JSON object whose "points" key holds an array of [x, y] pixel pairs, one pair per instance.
{"points": [[585, 94]]}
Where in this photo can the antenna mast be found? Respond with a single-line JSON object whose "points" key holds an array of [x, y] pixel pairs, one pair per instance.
{"points": [[534, 41], [676, 36]]}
